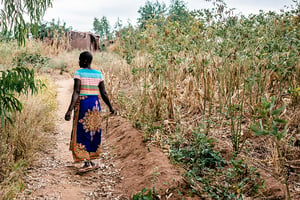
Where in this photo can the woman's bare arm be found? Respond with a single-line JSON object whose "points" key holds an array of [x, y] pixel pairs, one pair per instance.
{"points": [[104, 96], [75, 95]]}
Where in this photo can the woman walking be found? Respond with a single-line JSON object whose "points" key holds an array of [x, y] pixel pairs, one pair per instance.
{"points": [[86, 131]]}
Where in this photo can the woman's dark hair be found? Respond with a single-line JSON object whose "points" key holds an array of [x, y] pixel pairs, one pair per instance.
{"points": [[85, 58]]}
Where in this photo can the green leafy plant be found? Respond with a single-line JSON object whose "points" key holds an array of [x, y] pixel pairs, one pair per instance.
{"points": [[14, 82], [228, 183], [197, 153], [269, 121], [35, 60], [244, 179], [145, 194], [178, 12], [208, 172], [150, 11], [271, 124]]}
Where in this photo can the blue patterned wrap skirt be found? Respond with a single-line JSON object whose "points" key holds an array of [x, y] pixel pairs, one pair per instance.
{"points": [[86, 132]]}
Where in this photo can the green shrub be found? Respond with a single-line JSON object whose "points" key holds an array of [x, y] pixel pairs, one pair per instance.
{"points": [[35, 60], [210, 174], [197, 153], [145, 194]]}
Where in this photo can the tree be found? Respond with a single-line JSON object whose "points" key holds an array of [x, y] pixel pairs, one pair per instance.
{"points": [[150, 11], [12, 17], [105, 26], [97, 26], [178, 11], [118, 24], [102, 27], [52, 29]]}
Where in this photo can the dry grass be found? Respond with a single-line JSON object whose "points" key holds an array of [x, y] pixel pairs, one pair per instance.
{"points": [[21, 143]]}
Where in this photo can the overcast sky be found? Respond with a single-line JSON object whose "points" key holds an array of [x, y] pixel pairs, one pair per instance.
{"points": [[80, 14]]}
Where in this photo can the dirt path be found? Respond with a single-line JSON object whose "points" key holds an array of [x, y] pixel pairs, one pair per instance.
{"points": [[54, 175], [127, 164]]}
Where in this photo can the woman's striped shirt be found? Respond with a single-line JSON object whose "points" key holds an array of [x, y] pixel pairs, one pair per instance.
{"points": [[90, 79]]}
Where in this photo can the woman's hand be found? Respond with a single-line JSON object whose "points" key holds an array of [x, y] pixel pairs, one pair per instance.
{"points": [[68, 115]]}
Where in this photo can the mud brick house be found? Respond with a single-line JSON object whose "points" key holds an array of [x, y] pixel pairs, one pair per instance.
{"points": [[84, 40]]}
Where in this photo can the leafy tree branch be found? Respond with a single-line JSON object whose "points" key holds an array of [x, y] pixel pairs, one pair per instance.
{"points": [[19, 80], [12, 17]]}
